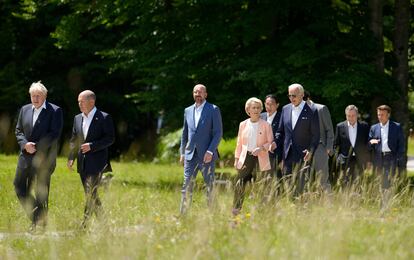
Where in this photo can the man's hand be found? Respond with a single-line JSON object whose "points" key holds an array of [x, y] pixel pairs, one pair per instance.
{"points": [[182, 159], [86, 147], [273, 146], [307, 156], [70, 164], [374, 141], [30, 147], [207, 157]]}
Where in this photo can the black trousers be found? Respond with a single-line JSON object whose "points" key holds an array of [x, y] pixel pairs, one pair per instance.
{"points": [[32, 189], [245, 174], [351, 171], [90, 184]]}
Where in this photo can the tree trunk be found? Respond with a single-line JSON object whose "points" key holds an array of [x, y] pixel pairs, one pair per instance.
{"points": [[400, 69], [376, 24]]}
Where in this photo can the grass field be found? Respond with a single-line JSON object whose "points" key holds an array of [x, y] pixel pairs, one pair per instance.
{"points": [[140, 222]]}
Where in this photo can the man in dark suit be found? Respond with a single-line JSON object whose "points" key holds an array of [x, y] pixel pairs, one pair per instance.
{"points": [[351, 144], [202, 132], [298, 132], [92, 134], [37, 131], [272, 116], [386, 138]]}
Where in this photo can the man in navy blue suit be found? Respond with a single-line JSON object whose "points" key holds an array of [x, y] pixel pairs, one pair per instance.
{"points": [[298, 132], [272, 116], [386, 138], [202, 132], [37, 131], [92, 134]]}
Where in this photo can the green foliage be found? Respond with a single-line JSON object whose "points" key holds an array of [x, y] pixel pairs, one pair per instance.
{"points": [[168, 147], [226, 151]]}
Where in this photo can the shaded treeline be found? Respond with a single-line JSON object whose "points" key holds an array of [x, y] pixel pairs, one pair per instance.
{"points": [[142, 57]]}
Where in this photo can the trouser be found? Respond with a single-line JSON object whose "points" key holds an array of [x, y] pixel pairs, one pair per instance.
{"points": [[191, 168], [295, 175], [387, 170], [320, 165], [351, 171], [90, 184], [245, 175], [34, 203]]}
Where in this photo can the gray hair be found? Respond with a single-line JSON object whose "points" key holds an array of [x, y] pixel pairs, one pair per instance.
{"points": [[38, 87], [88, 94], [297, 86], [351, 107]]}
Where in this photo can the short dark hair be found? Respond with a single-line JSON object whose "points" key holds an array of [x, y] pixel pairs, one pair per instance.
{"points": [[272, 97], [384, 108]]}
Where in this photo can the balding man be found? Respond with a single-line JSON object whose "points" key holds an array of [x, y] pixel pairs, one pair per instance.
{"points": [[37, 131], [202, 132], [92, 134], [298, 132]]}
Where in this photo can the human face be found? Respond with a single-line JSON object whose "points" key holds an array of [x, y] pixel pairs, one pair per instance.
{"points": [[352, 116], [254, 110], [199, 94], [295, 96], [271, 105], [85, 105], [37, 98], [383, 116]]}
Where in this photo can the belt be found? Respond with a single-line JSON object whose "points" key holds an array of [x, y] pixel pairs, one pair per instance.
{"points": [[386, 153], [249, 153]]}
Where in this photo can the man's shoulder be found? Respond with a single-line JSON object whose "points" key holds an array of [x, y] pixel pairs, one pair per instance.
{"points": [[342, 124], [263, 115], [52, 106]]}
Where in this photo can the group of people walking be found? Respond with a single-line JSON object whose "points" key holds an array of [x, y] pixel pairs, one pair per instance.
{"points": [[285, 145], [289, 145], [38, 129]]}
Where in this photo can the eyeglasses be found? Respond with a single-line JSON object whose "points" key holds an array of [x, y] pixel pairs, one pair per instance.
{"points": [[292, 96]]}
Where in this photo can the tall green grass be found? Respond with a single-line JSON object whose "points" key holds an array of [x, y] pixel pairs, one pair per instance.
{"points": [[141, 221]]}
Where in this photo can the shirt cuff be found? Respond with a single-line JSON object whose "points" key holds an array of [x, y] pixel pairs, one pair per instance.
{"points": [[209, 152]]}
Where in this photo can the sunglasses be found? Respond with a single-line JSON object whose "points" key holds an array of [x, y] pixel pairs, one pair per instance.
{"points": [[292, 96]]}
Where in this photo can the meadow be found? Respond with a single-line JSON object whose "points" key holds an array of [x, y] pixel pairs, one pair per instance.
{"points": [[142, 221]]}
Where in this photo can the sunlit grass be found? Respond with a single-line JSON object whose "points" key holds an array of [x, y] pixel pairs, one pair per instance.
{"points": [[141, 221]]}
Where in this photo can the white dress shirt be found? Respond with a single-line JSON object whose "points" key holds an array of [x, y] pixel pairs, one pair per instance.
{"points": [[270, 118], [352, 131], [86, 121], [197, 112], [36, 112], [384, 137], [296, 110]]}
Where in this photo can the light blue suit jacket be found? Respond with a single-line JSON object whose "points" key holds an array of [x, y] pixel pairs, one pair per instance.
{"points": [[206, 136]]}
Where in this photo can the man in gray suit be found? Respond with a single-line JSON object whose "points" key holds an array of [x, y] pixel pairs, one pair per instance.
{"points": [[324, 149], [202, 132]]}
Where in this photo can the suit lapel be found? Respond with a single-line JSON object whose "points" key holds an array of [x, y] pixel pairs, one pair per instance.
{"points": [[289, 116], [347, 133], [79, 121], [93, 124], [202, 116]]}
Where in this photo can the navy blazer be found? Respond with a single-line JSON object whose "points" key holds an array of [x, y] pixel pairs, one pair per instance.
{"points": [[101, 135], [275, 124], [343, 143], [305, 135], [207, 134], [45, 133], [396, 141]]}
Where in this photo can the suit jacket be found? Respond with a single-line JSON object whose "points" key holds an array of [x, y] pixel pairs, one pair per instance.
{"points": [[100, 136], [343, 143], [275, 124], [305, 135], [264, 138], [396, 141], [207, 134], [45, 133], [326, 133]]}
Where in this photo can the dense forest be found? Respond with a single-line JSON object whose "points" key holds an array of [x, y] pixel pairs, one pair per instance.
{"points": [[142, 58]]}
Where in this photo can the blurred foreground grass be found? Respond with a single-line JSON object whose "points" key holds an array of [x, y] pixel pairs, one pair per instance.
{"points": [[141, 207]]}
